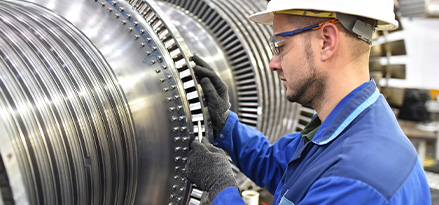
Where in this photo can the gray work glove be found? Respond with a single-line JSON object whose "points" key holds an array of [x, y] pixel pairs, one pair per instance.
{"points": [[209, 168], [216, 94]]}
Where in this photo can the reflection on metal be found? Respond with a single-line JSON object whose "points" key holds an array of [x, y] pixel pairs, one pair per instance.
{"points": [[65, 115], [202, 43], [257, 90], [99, 104]]}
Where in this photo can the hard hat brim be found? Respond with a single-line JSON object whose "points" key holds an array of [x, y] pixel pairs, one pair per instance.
{"points": [[266, 17]]}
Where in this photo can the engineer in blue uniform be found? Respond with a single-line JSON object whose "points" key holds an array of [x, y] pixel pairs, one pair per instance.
{"points": [[353, 150]]}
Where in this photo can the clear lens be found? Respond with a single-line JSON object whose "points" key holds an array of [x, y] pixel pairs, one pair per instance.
{"points": [[276, 42], [275, 45]]}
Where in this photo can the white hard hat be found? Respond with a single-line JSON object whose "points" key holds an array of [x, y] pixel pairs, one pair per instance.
{"points": [[380, 10]]}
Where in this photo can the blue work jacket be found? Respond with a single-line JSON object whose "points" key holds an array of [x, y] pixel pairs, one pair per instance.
{"points": [[359, 155]]}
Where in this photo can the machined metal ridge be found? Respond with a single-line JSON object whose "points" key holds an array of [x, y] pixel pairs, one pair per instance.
{"points": [[180, 55], [252, 38], [65, 87], [64, 125], [276, 107], [240, 61], [261, 101], [186, 128]]}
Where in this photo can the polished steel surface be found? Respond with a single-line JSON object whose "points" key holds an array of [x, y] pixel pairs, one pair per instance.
{"points": [[201, 42], [70, 124], [98, 102], [258, 91]]}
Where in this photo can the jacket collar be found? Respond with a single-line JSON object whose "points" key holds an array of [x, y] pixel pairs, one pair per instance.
{"points": [[346, 111]]}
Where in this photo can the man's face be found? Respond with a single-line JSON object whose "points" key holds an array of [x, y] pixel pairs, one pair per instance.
{"points": [[296, 64]]}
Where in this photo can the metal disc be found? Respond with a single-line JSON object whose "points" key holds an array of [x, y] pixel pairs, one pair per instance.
{"points": [[98, 102]]}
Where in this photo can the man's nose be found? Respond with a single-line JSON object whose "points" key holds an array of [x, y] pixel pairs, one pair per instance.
{"points": [[275, 63]]}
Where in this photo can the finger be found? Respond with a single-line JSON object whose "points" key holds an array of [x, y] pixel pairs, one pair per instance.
{"points": [[202, 72], [213, 149], [214, 78], [197, 147], [209, 145], [223, 92], [210, 92], [201, 62], [205, 141]]}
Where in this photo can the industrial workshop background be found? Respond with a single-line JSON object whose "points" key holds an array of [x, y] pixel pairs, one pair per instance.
{"points": [[99, 103]]}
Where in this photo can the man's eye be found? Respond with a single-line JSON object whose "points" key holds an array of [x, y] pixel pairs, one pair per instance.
{"points": [[279, 48]]}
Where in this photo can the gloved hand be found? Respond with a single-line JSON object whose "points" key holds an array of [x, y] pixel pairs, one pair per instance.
{"points": [[216, 94], [209, 168]]}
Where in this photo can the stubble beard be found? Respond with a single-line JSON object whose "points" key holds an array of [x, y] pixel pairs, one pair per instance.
{"points": [[310, 90]]}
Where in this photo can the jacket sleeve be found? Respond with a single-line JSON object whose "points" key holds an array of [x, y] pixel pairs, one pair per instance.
{"points": [[229, 195], [253, 155], [341, 190]]}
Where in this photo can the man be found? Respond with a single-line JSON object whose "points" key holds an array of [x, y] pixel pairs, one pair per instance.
{"points": [[352, 152]]}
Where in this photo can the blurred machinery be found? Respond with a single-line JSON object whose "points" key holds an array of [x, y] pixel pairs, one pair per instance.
{"points": [[381, 54], [419, 8], [99, 104]]}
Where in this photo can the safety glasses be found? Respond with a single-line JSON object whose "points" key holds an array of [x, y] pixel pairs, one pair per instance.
{"points": [[277, 41]]}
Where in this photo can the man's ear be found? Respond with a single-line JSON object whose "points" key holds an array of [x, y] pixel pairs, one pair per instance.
{"points": [[330, 37]]}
